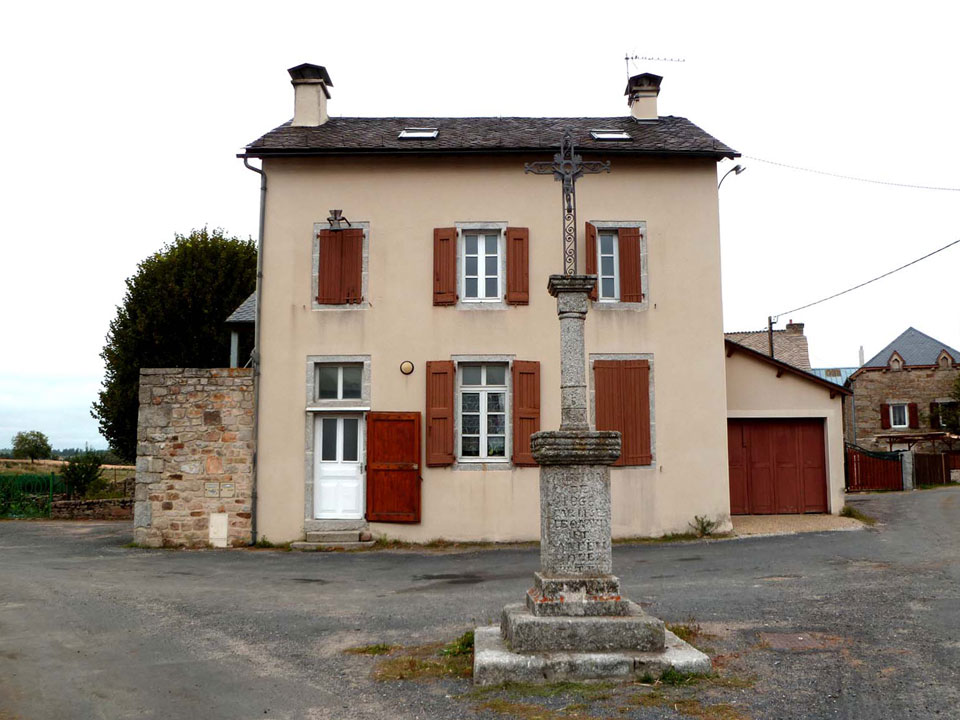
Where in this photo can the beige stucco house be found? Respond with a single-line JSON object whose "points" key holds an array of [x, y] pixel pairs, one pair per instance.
{"points": [[408, 346]]}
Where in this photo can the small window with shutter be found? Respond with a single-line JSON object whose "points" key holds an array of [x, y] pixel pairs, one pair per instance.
{"points": [[623, 401], [340, 260], [481, 265], [616, 252]]}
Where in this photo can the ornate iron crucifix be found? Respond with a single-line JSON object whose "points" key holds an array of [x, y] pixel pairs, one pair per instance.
{"points": [[568, 167]]}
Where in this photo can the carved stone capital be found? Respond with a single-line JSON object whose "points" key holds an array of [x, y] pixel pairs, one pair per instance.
{"points": [[575, 447]]}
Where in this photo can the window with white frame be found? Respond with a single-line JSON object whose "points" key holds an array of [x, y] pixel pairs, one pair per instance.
{"points": [[898, 415], [480, 266], [608, 261], [483, 412], [339, 382]]}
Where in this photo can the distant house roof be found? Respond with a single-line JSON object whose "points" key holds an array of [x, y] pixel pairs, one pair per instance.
{"points": [[789, 345], [247, 311], [782, 367], [834, 375], [666, 136], [915, 348]]}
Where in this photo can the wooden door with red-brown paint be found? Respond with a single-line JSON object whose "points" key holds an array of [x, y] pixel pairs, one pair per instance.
{"points": [[393, 467]]}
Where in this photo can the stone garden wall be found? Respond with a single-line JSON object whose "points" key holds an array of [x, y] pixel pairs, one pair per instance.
{"points": [[194, 457], [108, 509]]}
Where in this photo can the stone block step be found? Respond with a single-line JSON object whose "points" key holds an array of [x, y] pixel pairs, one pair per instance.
{"points": [[634, 630], [333, 536], [310, 546], [495, 663]]}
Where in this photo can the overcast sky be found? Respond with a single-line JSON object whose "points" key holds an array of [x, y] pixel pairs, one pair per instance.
{"points": [[121, 124]]}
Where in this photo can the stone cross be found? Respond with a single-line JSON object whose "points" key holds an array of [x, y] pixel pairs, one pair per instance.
{"points": [[567, 167], [575, 603]]}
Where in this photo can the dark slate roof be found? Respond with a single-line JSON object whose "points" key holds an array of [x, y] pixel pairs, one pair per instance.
{"points": [[915, 348], [673, 136], [247, 311]]}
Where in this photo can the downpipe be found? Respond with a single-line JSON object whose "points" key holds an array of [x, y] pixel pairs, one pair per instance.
{"points": [[255, 355]]}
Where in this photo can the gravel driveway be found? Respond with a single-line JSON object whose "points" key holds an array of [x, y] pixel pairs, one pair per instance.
{"points": [[859, 624]]}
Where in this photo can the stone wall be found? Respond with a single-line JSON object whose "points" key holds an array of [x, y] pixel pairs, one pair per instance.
{"points": [[108, 509], [873, 387], [194, 457]]}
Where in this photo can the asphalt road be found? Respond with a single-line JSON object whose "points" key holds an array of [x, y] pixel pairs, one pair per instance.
{"points": [[92, 629]]}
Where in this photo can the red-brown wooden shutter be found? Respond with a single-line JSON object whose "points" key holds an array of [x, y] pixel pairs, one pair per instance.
{"points": [[622, 397], [590, 234], [393, 467], [329, 278], [445, 266], [914, 415], [440, 376], [351, 264], [608, 401], [885, 416], [935, 415], [526, 409], [518, 266], [629, 247]]}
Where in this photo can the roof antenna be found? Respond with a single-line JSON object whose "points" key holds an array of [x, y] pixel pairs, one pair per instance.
{"points": [[628, 58]]}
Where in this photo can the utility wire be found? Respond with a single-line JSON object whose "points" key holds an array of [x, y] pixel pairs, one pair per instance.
{"points": [[856, 287], [853, 177]]}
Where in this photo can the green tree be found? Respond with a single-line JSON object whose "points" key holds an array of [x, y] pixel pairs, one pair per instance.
{"points": [[82, 470], [172, 315], [31, 444]]}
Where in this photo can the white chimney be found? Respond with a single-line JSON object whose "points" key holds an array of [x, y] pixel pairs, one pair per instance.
{"points": [[642, 92], [310, 94], [861, 356]]}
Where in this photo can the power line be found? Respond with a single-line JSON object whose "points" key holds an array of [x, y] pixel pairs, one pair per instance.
{"points": [[853, 177], [856, 287]]}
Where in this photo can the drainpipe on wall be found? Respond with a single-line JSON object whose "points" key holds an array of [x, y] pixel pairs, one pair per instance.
{"points": [[255, 355]]}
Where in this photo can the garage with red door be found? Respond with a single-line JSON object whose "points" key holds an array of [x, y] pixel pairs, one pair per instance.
{"points": [[777, 466]]}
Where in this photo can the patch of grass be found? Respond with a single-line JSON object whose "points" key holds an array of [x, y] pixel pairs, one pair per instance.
{"points": [[688, 631], [463, 645], [696, 709], [377, 649], [674, 677], [703, 526], [408, 667], [424, 662], [264, 544], [849, 511], [670, 538], [530, 711]]}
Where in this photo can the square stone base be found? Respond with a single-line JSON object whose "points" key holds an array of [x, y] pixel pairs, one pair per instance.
{"points": [[576, 595], [495, 663], [634, 631]]}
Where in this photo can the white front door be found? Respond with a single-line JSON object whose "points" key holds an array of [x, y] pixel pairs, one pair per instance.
{"points": [[338, 471]]}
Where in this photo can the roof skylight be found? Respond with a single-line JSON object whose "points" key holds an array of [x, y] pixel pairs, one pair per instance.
{"points": [[418, 133], [603, 134]]}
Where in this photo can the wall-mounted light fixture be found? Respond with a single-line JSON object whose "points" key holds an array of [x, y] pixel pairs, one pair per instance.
{"points": [[406, 367], [337, 219]]}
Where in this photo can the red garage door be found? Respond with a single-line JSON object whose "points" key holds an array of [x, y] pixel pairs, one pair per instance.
{"points": [[777, 466]]}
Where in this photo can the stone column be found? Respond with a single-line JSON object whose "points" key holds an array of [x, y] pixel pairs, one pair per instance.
{"points": [[575, 603]]}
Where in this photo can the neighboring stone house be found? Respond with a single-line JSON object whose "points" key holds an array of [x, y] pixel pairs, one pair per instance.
{"points": [[898, 394], [789, 345]]}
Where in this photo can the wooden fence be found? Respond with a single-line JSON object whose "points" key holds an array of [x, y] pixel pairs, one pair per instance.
{"points": [[934, 469], [867, 470]]}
